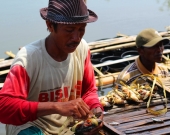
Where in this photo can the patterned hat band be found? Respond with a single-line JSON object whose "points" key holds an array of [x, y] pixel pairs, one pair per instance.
{"points": [[61, 18]]}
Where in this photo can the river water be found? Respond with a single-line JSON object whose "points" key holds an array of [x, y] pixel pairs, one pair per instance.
{"points": [[20, 21]]}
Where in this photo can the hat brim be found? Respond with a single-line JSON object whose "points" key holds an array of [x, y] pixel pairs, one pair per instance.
{"points": [[157, 40], [92, 17]]}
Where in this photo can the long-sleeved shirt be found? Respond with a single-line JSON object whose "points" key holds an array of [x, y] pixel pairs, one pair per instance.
{"points": [[35, 77]]}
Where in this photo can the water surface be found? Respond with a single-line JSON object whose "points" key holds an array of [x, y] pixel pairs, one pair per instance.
{"points": [[20, 21]]}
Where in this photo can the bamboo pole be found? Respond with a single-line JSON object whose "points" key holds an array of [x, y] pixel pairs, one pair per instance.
{"points": [[115, 61], [6, 63], [98, 72], [1, 60], [107, 42], [126, 45], [121, 35], [106, 79], [9, 53], [4, 72], [122, 60], [102, 80], [163, 56], [119, 40], [110, 46]]}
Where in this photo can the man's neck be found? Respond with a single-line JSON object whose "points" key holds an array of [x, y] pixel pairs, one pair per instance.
{"points": [[150, 66]]}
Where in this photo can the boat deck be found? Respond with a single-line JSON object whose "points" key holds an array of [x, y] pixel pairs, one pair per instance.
{"points": [[133, 118]]}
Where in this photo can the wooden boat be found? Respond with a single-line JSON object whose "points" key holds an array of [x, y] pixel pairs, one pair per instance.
{"points": [[111, 47], [119, 119], [117, 45]]}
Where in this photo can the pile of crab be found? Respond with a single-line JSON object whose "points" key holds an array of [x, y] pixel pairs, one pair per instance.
{"points": [[118, 96], [86, 125]]}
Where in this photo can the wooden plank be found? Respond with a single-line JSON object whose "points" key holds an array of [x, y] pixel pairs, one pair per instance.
{"points": [[1, 60], [4, 72], [6, 63], [158, 126], [119, 116], [121, 60], [111, 47], [132, 119], [133, 113], [141, 117], [132, 107], [161, 131], [111, 41], [112, 128], [119, 40], [108, 47], [115, 61], [137, 123]]}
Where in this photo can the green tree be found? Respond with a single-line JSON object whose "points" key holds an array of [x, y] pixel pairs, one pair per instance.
{"points": [[165, 5]]}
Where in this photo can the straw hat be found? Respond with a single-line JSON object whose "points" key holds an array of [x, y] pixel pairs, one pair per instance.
{"points": [[68, 12]]}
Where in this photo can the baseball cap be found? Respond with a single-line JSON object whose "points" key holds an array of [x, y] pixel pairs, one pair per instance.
{"points": [[149, 37]]}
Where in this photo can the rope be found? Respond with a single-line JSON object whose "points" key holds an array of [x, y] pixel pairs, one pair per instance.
{"points": [[99, 74], [155, 79], [113, 78]]}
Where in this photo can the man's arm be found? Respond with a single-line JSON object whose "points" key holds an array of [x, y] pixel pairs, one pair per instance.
{"points": [[14, 107], [89, 94], [89, 89]]}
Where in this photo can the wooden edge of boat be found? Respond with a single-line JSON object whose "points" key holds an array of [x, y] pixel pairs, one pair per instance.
{"points": [[98, 46], [6, 63], [126, 40]]}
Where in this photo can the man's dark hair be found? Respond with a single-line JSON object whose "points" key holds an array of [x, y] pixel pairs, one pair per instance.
{"points": [[54, 25]]}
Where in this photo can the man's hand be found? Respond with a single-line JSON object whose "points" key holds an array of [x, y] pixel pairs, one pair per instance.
{"points": [[96, 111], [76, 108]]}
